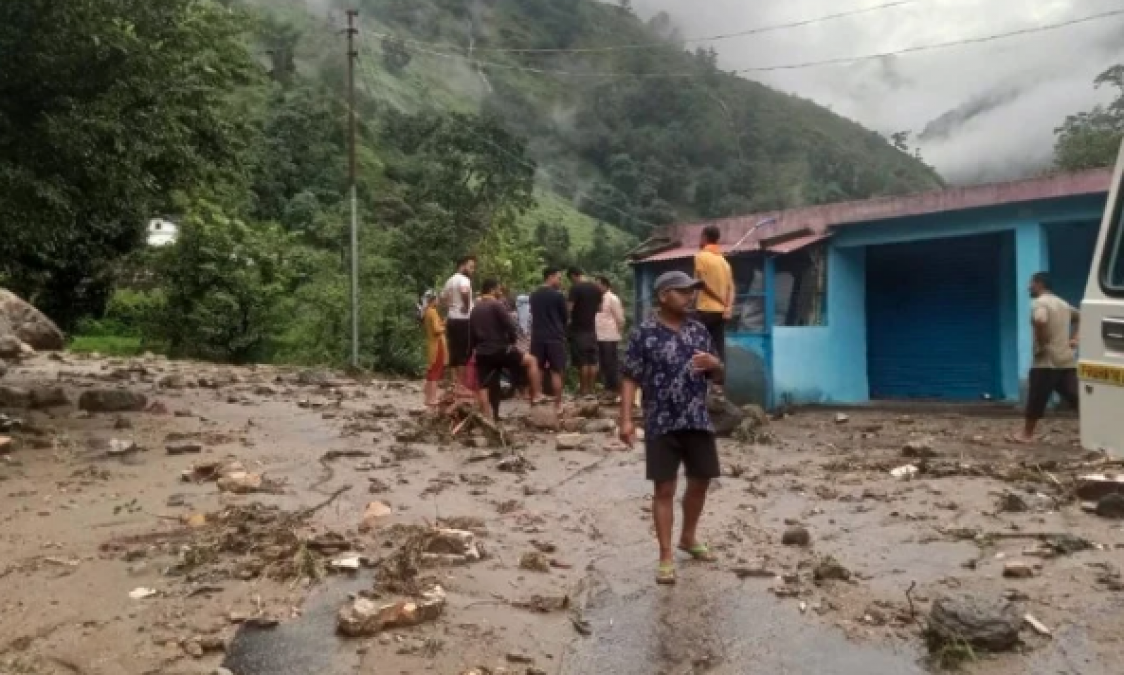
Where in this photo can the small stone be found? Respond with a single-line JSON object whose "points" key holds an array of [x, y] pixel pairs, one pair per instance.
{"points": [[118, 447], [49, 397], [829, 569], [1111, 506], [919, 448], [570, 442], [183, 448], [991, 625], [365, 618], [172, 381], [374, 515], [841, 418], [535, 561], [240, 482], [193, 649], [1018, 570], [516, 657], [1010, 502], [112, 400], [122, 423], [6, 444], [796, 536]]}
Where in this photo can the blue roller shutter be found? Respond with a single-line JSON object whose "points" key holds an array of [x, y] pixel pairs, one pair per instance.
{"points": [[933, 319]]}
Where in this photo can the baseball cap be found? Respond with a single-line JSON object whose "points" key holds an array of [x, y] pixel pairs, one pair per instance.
{"points": [[676, 281]]}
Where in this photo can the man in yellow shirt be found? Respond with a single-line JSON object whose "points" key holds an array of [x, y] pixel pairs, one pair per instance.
{"points": [[715, 303]]}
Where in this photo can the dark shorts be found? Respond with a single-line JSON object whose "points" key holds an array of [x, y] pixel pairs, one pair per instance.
{"points": [[1044, 383], [458, 335], [583, 348], [490, 367], [715, 325], [697, 450], [550, 355]]}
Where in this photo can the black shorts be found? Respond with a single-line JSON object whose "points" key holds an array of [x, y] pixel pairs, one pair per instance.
{"points": [[489, 367], [583, 348], [458, 336], [697, 450], [715, 325], [550, 355], [1044, 382]]}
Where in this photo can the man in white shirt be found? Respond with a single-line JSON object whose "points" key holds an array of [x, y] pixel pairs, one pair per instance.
{"points": [[457, 298], [1054, 325], [609, 325]]}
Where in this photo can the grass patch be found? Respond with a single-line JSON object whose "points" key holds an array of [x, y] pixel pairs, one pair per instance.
{"points": [[108, 345]]}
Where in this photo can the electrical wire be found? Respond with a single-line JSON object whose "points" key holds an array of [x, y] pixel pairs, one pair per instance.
{"points": [[757, 69]]}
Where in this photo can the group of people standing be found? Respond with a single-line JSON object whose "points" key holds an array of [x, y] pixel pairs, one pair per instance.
{"points": [[480, 337]]}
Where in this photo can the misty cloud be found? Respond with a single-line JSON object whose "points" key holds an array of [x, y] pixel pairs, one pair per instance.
{"points": [[979, 112]]}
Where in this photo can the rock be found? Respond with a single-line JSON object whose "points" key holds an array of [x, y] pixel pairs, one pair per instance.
{"points": [[314, 377], [347, 562], [365, 618], [118, 448], [829, 569], [1095, 486], [535, 561], [753, 573], [919, 448], [49, 397], [122, 423], [452, 547], [1009, 502], [991, 625], [796, 536], [588, 409], [6, 444], [172, 381], [1111, 506], [240, 482], [570, 442], [602, 426], [374, 515], [29, 324], [1017, 569], [543, 418], [904, 472], [11, 347], [14, 397], [516, 657], [142, 593], [724, 415], [184, 448], [841, 418], [112, 400]]}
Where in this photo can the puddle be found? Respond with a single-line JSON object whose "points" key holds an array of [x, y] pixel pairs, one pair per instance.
{"points": [[704, 625], [302, 646]]}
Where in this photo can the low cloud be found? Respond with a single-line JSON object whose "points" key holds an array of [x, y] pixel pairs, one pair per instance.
{"points": [[978, 112]]}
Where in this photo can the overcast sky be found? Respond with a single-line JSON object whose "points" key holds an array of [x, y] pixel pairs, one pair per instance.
{"points": [[1021, 88]]}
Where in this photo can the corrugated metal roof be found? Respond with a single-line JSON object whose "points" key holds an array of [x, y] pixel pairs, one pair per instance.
{"points": [[793, 245]]}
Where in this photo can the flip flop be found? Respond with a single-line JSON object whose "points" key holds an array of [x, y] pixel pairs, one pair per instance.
{"points": [[700, 552], [665, 574]]}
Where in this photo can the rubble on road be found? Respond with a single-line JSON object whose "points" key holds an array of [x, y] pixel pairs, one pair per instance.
{"points": [[364, 618], [112, 400], [451, 547], [374, 515], [991, 625]]}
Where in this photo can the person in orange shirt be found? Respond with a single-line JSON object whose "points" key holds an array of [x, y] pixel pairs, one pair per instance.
{"points": [[715, 304], [434, 347]]}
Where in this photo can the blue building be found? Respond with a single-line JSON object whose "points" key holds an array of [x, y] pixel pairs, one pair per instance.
{"points": [[917, 297]]}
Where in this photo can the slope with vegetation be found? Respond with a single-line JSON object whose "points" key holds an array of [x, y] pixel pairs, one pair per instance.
{"points": [[229, 116]]}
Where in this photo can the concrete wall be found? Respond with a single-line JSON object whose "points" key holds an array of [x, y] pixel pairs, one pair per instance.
{"points": [[827, 364]]}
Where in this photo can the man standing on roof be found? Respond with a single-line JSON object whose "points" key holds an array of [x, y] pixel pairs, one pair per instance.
{"points": [[670, 358], [457, 298], [715, 305]]}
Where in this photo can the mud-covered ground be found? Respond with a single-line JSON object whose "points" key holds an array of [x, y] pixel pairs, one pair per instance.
{"points": [[86, 520]]}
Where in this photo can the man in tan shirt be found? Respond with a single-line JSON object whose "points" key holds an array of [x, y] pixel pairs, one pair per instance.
{"points": [[1054, 370]]}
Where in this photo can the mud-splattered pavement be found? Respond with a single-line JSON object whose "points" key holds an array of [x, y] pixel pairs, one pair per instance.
{"points": [[112, 563]]}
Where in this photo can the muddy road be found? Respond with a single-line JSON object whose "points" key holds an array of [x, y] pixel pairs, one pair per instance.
{"points": [[209, 526]]}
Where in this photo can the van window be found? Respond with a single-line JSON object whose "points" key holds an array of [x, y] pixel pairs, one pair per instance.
{"points": [[1112, 269]]}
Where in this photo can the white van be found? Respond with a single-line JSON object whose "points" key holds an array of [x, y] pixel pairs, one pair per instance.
{"points": [[1102, 331]]}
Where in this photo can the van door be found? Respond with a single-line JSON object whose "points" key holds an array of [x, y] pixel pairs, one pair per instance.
{"points": [[1102, 332]]}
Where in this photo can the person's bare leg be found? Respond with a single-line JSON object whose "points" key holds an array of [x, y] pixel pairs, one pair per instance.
{"points": [[1027, 435], [534, 376], [694, 500], [556, 382], [431, 392], [663, 513]]}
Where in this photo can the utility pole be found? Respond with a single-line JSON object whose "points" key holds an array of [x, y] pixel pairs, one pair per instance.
{"points": [[352, 54]]}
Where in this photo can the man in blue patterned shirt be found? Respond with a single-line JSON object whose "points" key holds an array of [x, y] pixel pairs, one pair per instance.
{"points": [[671, 357]]}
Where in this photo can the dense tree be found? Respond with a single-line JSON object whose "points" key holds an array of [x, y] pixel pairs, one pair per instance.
{"points": [[1091, 139], [108, 107]]}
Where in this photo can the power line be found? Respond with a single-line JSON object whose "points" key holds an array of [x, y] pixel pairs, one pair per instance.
{"points": [[757, 69], [661, 44]]}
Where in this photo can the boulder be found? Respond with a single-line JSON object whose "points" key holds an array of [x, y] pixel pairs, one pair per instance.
{"points": [[1111, 506], [543, 418], [991, 625], [28, 324], [49, 397], [724, 415], [14, 397], [112, 400], [11, 347]]}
